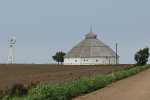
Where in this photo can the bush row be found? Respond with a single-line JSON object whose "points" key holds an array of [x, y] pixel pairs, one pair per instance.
{"points": [[78, 87]]}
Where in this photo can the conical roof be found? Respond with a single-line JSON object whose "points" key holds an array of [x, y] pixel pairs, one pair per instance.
{"points": [[90, 47]]}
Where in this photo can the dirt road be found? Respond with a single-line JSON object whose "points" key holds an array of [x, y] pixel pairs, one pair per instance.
{"points": [[133, 88]]}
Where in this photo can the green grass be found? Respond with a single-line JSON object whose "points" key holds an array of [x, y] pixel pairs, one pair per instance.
{"points": [[75, 88]]}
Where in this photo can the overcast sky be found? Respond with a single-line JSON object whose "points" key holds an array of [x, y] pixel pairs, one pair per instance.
{"points": [[43, 27]]}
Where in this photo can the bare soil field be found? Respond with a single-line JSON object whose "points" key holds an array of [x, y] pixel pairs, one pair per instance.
{"points": [[27, 73]]}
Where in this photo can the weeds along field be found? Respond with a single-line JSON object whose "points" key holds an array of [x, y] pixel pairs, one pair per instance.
{"points": [[34, 73]]}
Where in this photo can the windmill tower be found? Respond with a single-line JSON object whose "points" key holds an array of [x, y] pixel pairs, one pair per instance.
{"points": [[12, 44]]}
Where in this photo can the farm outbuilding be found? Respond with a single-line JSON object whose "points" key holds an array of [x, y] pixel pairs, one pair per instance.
{"points": [[91, 51]]}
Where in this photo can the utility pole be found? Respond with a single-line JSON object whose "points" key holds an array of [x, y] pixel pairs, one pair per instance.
{"points": [[116, 53]]}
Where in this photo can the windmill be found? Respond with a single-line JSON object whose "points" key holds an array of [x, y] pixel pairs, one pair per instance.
{"points": [[12, 44]]}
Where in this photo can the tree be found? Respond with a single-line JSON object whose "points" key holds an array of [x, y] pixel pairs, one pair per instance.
{"points": [[141, 57], [59, 57]]}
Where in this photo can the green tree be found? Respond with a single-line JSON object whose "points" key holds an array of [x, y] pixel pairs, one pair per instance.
{"points": [[59, 57], [141, 57]]}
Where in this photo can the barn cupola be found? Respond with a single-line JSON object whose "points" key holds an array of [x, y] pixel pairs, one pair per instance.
{"points": [[91, 35]]}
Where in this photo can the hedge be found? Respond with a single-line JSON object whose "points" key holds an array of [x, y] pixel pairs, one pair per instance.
{"points": [[75, 88]]}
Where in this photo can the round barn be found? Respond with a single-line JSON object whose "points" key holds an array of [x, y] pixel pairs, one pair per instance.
{"points": [[91, 51]]}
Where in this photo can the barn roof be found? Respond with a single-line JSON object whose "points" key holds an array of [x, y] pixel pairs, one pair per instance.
{"points": [[90, 47]]}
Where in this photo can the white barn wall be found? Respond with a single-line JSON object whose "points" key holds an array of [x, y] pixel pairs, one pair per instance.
{"points": [[72, 61], [89, 61]]}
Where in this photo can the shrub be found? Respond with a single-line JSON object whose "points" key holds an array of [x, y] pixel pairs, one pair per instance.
{"points": [[59, 57], [141, 57], [17, 89], [2, 93]]}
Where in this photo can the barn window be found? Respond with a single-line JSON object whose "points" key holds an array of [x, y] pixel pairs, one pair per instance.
{"points": [[96, 60]]}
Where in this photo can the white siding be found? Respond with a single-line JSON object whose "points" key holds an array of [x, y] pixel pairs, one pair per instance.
{"points": [[89, 61], [72, 61]]}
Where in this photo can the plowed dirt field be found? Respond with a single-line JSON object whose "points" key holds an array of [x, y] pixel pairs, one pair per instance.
{"points": [[27, 73]]}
